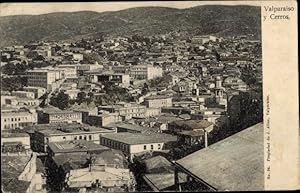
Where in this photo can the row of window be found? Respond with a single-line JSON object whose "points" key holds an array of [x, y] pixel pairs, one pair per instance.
{"points": [[115, 144], [66, 116], [80, 137], [16, 119], [15, 125], [152, 147]]}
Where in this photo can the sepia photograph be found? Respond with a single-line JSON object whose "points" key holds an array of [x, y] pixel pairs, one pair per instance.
{"points": [[132, 97]]}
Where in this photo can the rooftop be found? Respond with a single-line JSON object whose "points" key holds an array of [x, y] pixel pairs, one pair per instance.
{"points": [[15, 185], [153, 97], [64, 128], [140, 138], [79, 160], [132, 127], [234, 163], [192, 124], [13, 166], [13, 133], [75, 146]]}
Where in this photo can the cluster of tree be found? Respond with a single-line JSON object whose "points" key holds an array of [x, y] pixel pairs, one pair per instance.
{"points": [[14, 69], [245, 110], [61, 100], [13, 83], [82, 97], [114, 94], [33, 65], [249, 76], [22, 67], [92, 58]]}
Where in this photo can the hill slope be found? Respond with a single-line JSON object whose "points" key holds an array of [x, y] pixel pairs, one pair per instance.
{"points": [[210, 19]]}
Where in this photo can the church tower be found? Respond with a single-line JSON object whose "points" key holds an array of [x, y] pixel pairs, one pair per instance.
{"points": [[219, 90]]}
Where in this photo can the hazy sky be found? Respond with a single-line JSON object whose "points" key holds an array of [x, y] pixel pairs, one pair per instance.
{"points": [[41, 8]]}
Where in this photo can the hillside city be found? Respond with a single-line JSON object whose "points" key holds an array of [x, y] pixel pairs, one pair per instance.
{"points": [[172, 112]]}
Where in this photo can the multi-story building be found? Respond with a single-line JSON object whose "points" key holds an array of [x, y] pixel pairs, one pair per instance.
{"points": [[138, 143], [41, 78], [17, 118], [46, 133], [81, 68], [14, 137], [59, 116], [38, 91], [125, 110], [23, 94], [158, 101], [147, 72], [119, 78], [21, 102]]}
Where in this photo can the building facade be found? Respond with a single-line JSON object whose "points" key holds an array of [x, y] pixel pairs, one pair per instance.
{"points": [[158, 101], [18, 118]]}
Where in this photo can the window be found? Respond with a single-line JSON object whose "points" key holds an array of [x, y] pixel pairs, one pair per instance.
{"points": [[159, 146], [151, 147], [145, 147], [90, 137], [64, 138], [84, 138], [75, 138], [80, 137]]}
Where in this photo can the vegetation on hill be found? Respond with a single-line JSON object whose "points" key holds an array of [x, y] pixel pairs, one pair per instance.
{"points": [[210, 19]]}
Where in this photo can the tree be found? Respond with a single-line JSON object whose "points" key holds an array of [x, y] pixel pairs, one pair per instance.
{"points": [[90, 97], [92, 58], [13, 83], [9, 69], [61, 101], [81, 97]]}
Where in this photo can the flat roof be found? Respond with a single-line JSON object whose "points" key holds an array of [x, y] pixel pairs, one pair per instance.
{"points": [[132, 127], [153, 97], [192, 124], [13, 166], [235, 163], [13, 133], [75, 146], [140, 138], [58, 129]]}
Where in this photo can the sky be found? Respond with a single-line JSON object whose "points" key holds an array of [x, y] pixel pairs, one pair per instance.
{"points": [[42, 8]]}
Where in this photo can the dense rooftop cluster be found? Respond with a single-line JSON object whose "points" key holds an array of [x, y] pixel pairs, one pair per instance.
{"points": [[130, 113]]}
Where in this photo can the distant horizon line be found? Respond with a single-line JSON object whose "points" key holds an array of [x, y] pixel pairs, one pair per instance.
{"points": [[25, 9]]}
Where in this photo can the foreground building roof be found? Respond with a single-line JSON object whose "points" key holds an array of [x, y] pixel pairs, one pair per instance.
{"points": [[235, 163]]}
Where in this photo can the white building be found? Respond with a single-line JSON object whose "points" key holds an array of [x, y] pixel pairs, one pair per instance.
{"points": [[145, 72], [137, 143], [23, 94], [17, 118], [158, 101], [38, 91], [41, 78]]}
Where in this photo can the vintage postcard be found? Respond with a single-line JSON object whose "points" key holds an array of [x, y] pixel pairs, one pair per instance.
{"points": [[149, 96]]}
